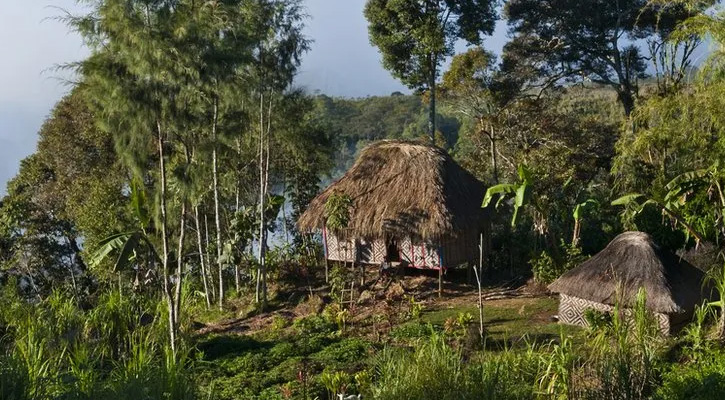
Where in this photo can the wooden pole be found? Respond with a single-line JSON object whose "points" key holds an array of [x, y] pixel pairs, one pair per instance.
{"points": [[440, 281], [479, 277]]}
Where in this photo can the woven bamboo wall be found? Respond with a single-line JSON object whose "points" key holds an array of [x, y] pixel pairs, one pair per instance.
{"points": [[454, 252], [572, 309]]}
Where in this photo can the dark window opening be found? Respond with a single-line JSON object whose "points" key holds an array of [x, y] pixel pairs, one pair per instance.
{"points": [[392, 252]]}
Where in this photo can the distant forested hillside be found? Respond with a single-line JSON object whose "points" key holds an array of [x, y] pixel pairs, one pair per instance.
{"points": [[353, 123]]}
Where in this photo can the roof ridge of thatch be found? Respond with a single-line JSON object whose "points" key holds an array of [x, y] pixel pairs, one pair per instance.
{"points": [[403, 188], [629, 262]]}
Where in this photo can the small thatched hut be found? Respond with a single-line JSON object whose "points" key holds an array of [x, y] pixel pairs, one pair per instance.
{"points": [[630, 262], [410, 202]]}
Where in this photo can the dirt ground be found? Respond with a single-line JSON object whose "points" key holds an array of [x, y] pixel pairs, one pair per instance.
{"points": [[507, 306]]}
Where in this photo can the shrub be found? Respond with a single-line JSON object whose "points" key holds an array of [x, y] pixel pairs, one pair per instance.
{"points": [[544, 268], [412, 330], [313, 324], [347, 353], [701, 380]]}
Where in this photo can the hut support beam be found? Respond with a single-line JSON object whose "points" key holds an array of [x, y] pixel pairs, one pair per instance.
{"points": [[440, 281]]}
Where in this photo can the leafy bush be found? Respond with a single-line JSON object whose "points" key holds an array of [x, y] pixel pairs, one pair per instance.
{"points": [[412, 330], [544, 268], [701, 380], [339, 279], [313, 324], [347, 353]]}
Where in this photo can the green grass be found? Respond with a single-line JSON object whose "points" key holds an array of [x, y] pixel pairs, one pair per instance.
{"points": [[508, 321]]}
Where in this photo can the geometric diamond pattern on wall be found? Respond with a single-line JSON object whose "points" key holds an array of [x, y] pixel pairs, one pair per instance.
{"points": [[572, 310]]}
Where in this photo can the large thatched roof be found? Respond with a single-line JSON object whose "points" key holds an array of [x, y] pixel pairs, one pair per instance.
{"points": [[404, 189], [632, 260]]}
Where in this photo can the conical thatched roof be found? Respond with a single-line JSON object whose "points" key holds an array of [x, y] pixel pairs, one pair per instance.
{"points": [[404, 189], [632, 260]]}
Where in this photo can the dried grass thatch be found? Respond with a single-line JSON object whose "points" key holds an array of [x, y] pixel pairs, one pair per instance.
{"points": [[404, 189], [631, 261]]}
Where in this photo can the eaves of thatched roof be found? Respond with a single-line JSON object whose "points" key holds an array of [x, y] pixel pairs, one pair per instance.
{"points": [[630, 262], [401, 188]]}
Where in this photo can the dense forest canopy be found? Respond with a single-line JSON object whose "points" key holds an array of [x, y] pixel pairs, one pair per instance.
{"points": [[158, 212]]}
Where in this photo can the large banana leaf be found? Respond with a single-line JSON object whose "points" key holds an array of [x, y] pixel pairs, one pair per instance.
{"points": [[523, 194], [500, 189], [627, 199], [582, 207], [520, 191], [108, 245], [128, 244]]}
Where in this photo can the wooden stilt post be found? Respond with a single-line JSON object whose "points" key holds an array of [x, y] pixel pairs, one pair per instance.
{"points": [[440, 281]]}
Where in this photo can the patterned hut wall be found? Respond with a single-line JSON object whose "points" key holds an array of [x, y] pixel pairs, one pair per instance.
{"points": [[339, 249], [418, 254], [358, 250], [370, 251], [572, 310]]}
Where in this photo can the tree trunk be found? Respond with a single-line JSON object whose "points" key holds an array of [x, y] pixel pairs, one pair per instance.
{"points": [[479, 278], [494, 161], [165, 242], [209, 264], [180, 265], [575, 236], [261, 274], [202, 266], [627, 99], [432, 107], [216, 206], [284, 216]]}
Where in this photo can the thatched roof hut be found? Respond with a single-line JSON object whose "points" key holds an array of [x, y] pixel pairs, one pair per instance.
{"points": [[631, 261], [408, 192]]}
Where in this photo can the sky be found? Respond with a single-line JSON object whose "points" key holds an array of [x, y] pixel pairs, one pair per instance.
{"points": [[341, 62]]}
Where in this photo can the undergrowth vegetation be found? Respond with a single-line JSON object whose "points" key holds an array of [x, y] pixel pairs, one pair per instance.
{"points": [[115, 348]]}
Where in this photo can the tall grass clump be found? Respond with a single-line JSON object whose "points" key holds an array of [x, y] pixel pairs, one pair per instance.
{"points": [[433, 371], [14, 381], [115, 347], [625, 355], [436, 370], [700, 372]]}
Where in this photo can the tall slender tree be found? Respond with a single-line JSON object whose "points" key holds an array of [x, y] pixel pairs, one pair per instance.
{"points": [[415, 37], [278, 51]]}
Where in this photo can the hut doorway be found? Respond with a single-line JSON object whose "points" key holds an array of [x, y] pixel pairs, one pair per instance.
{"points": [[392, 252]]}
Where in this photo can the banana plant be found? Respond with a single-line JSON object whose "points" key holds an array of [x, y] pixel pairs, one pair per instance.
{"points": [[521, 192], [579, 211], [133, 245], [716, 278], [678, 191]]}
